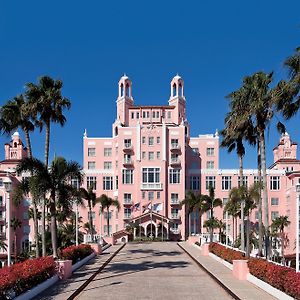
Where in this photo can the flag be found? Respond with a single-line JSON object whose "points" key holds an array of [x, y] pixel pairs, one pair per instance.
{"points": [[147, 207], [135, 207], [157, 207]]}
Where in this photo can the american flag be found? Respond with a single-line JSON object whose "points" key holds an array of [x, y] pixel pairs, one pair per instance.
{"points": [[147, 207], [135, 207]]}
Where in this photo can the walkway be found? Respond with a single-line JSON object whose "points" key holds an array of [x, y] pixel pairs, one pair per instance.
{"points": [[243, 289]]}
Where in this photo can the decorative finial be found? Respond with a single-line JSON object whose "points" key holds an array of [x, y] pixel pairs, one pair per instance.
{"points": [[217, 133], [85, 133]]}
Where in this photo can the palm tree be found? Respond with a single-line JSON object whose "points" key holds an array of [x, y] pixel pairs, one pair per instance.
{"points": [[55, 182], [48, 104], [15, 224], [210, 203], [105, 203], [211, 224], [3, 245], [279, 224], [91, 199]]}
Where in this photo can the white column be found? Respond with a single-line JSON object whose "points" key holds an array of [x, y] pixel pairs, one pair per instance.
{"points": [[8, 231], [226, 222], [76, 225]]}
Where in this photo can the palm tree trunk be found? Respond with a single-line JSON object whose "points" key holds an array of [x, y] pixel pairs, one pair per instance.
{"points": [[28, 142], [247, 236], [36, 233], [282, 247], [265, 191], [211, 227], [53, 229], [232, 230], [47, 142], [91, 221], [15, 246], [260, 223], [108, 221], [242, 204]]}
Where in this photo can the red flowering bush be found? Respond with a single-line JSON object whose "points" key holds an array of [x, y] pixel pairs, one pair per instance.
{"points": [[23, 276], [291, 284], [225, 253], [76, 253], [258, 267]]}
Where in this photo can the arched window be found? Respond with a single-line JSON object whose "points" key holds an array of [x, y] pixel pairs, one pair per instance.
{"points": [[174, 90], [116, 130], [127, 90], [180, 92], [15, 144], [122, 90]]}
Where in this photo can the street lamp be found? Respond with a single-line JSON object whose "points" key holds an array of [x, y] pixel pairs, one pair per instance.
{"points": [[8, 185], [75, 183], [297, 225]]}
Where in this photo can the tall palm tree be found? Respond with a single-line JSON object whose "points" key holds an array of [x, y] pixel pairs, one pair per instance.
{"points": [[210, 204], [91, 199], [15, 224], [48, 104], [105, 204], [279, 224], [54, 182]]}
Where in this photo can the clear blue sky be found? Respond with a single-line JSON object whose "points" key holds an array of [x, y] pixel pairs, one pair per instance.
{"points": [[90, 44]]}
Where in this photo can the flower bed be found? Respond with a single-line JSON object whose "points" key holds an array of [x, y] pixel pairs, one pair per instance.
{"points": [[23, 276], [282, 278], [225, 253], [76, 253]]}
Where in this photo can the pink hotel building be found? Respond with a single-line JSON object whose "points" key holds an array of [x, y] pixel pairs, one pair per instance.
{"points": [[151, 160]]}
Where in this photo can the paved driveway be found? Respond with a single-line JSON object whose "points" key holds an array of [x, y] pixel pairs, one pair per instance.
{"points": [[153, 271]]}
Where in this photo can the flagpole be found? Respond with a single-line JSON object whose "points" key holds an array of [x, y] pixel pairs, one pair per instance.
{"points": [[140, 220], [151, 220]]}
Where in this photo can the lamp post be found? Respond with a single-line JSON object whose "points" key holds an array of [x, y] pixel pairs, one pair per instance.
{"points": [[297, 225], [7, 185], [226, 220], [75, 184]]}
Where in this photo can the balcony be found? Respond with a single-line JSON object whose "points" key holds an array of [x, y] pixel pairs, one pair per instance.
{"points": [[175, 230], [151, 186], [175, 201], [175, 148], [175, 162], [127, 147], [127, 216], [175, 216], [128, 162]]}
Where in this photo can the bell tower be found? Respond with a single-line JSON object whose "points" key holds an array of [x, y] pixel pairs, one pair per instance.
{"points": [[177, 98], [15, 149], [124, 100]]}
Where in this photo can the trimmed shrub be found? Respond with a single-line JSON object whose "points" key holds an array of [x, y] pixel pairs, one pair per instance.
{"points": [[225, 253], [23, 276], [76, 253]]}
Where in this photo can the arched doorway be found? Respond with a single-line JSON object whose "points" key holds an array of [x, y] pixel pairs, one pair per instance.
{"points": [[150, 230]]}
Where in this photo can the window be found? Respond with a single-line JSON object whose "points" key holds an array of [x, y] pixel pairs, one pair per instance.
{"points": [[117, 182], [144, 114], [157, 114], [1, 182], [91, 165], [174, 143], [127, 143], [195, 151], [175, 212], [194, 183], [151, 175], [105, 229], [256, 179], [127, 176], [158, 140], [174, 227], [274, 201], [127, 198], [107, 165], [226, 183], [274, 214], [109, 215], [107, 152], [210, 151], [137, 115], [174, 198], [169, 115], [245, 181], [225, 214], [210, 164], [91, 151], [148, 114], [1, 200], [151, 140], [127, 159], [151, 155], [144, 140], [174, 158], [174, 176], [153, 114], [107, 183], [158, 195], [151, 195], [132, 115], [275, 183], [127, 213], [93, 215], [143, 155], [143, 195], [91, 182], [158, 155], [210, 182]]}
